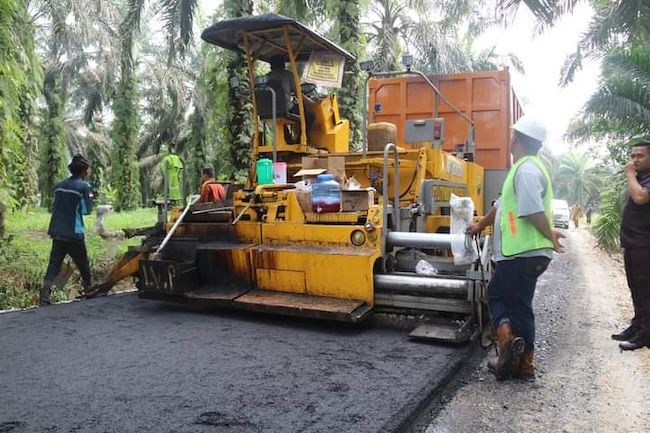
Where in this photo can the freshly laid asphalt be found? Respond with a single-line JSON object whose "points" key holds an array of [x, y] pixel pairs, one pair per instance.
{"points": [[121, 364]]}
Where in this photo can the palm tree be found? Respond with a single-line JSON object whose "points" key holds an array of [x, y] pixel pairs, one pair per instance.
{"points": [[23, 167], [624, 94], [240, 125], [573, 177], [53, 136], [20, 73], [546, 11], [615, 24], [178, 16], [391, 24], [619, 114], [79, 44], [607, 225], [348, 27], [619, 111]]}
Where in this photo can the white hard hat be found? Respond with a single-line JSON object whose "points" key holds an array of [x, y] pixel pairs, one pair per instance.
{"points": [[531, 127]]}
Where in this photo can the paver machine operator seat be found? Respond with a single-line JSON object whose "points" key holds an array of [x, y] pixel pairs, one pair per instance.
{"points": [[281, 81]]}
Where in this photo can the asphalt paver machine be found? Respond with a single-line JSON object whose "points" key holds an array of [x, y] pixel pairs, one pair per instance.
{"points": [[269, 251]]}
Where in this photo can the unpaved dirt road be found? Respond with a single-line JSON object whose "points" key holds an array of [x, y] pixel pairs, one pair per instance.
{"points": [[120, 364], [586, 384]]}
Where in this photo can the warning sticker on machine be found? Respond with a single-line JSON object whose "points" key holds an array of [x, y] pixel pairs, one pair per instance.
{"points": [[324, 69]]}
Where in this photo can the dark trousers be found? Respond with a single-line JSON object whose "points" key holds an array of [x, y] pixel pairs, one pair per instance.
{"points": [[637, 270], [510, 293], [77, 251]]}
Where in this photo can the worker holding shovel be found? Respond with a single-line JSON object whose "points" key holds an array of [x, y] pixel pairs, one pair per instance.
{"points": [[72, 200]]}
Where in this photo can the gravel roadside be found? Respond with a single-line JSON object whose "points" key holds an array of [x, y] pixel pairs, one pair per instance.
{"points": [[585, 383]]}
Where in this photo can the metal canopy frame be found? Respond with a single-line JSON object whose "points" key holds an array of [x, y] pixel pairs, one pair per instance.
{"points": [[267, 37], [269, 32]]}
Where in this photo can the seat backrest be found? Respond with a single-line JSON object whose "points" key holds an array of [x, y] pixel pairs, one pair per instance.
{"points": [[263, 99]]}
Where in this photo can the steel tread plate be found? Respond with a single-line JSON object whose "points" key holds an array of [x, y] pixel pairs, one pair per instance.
{"points": [[217, 294], [304, 305], [440, 332]]}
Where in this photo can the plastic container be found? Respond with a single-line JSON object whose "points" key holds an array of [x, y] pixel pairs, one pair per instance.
{"points": [[280, 172], [264, 171], [326, 194]]}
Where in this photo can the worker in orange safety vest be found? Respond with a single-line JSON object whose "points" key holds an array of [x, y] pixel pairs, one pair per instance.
{"points": [[211, 190]]}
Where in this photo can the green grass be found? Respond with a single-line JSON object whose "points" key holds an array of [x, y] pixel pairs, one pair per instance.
{"points": [[24, 254]]}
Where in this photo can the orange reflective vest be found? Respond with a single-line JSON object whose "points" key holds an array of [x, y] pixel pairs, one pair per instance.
{"points": [[212, 192]]}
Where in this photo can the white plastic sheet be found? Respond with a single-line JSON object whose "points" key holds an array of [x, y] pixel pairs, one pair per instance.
{"points": [[462, 245], [425, 268]]}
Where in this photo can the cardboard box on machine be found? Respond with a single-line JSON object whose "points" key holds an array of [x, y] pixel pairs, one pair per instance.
{"points": [[312, 166], [356, 200]]}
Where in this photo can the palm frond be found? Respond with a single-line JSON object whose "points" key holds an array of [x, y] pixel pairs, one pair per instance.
{"points": [[57, 12], [129, 28], [615, 24], [633, 62], [178, 18], [572, 64], [608, 222], [622, 100]]}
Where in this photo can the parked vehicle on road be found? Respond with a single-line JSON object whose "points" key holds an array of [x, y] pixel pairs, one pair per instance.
{"points": [[561, 213]]}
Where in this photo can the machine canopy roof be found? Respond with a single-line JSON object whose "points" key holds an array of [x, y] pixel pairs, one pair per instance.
{"points": [[266, 37]]}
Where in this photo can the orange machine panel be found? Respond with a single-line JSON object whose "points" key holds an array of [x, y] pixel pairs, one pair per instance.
{"points": [[485, 97]]}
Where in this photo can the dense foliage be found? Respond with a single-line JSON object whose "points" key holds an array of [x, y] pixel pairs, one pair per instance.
{"points": [[618, 114], [20, 78], [119, 88]]}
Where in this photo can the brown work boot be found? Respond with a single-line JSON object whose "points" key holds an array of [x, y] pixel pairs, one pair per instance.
{"points": [[526, 369], [509, 349]]}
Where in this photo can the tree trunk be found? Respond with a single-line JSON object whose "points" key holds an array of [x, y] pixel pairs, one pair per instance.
{"points": [[53, 159], [25, 164], [126, 178], [350, 96], [2, 220], [240, 125], [197, 159]]}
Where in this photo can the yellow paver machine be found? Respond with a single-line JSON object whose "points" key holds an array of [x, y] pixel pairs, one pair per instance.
{"points": [[270, 250]]}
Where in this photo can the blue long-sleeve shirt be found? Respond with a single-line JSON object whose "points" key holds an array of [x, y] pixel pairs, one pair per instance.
{"points": [[72, 200]]}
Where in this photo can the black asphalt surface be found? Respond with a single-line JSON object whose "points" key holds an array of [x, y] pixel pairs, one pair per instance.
{"points": [[121, 364]]}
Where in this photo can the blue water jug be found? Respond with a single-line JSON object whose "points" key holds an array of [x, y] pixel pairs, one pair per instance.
{"points": [[325, 194], [264, 171]]}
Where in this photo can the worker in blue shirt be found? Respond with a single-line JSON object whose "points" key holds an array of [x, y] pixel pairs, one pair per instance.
{"points": [[72, 200]]}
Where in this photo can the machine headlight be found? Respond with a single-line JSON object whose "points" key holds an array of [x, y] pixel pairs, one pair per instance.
{"points": [[358, 238]]}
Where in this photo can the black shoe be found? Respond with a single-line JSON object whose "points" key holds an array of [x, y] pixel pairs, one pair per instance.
{"points": [[44, 296], [636, 342], [625, 335]]}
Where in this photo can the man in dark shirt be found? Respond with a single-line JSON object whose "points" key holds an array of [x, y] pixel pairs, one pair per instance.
{"points": [[635, 239], [72, 200]]}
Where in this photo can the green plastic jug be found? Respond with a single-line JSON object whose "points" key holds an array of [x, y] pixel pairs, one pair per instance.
{"points": [[264, 171]]}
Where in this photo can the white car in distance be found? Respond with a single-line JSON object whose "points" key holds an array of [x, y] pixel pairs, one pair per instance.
{"points": [[561, 213]]}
